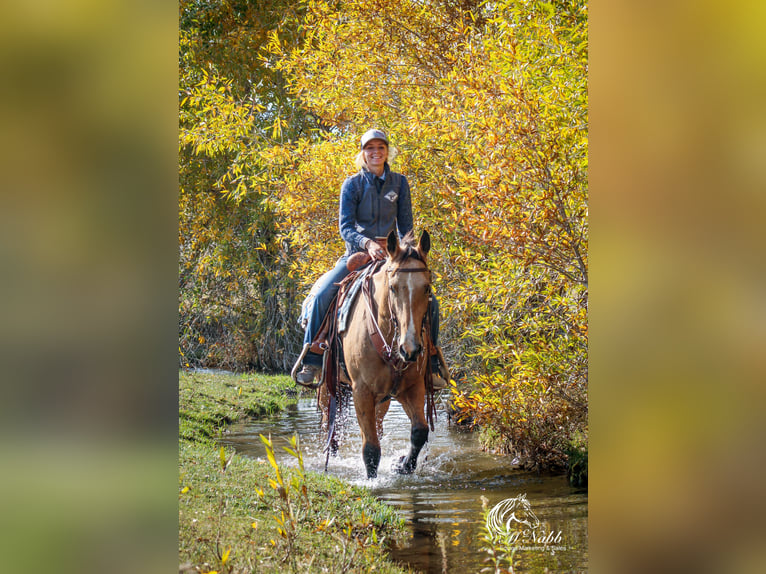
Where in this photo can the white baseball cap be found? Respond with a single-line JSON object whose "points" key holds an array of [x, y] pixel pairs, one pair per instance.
{"points": [[374, 134]]}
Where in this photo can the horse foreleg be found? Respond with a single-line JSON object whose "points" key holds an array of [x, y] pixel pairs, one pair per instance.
{"points": [[364, 403], [380, 413], [413, 401]]}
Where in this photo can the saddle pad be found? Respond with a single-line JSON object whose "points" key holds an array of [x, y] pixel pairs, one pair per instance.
{"points": [[353, 291]]}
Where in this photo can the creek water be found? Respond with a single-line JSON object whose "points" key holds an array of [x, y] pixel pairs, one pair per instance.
{"points": [[441, 500]]}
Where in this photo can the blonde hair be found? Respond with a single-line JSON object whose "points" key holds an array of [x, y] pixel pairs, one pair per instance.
{"points": [[360, 163]]}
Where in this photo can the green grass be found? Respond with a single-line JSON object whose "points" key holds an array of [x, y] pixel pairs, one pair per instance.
{"points": [[230, 516], [208, 402]]}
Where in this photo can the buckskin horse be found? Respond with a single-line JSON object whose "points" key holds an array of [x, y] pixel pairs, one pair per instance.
{"points": [[386, 350]]}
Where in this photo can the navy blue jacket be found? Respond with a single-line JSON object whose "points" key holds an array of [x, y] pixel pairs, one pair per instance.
{"points": [[369, 209]]}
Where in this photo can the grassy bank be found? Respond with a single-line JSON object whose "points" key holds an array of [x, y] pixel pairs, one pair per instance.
{"points": [[242, 515]]}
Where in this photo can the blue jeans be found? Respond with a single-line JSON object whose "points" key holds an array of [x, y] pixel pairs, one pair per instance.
{"points": [[434, 310], [318, 302]]}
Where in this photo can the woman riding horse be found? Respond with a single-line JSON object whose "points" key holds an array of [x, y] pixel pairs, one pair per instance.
{"points": [[373, 202]]}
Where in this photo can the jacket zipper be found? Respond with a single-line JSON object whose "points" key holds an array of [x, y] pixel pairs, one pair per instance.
{"points": [[380, 192]]}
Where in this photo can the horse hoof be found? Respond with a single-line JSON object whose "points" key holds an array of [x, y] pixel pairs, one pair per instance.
{"points": [[404, 467]]}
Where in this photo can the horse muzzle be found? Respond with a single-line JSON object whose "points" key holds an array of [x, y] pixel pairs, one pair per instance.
{"points": [[410, 356]]}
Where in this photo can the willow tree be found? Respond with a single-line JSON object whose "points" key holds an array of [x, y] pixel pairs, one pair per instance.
{"points": [[237, 301], [487, 104]]}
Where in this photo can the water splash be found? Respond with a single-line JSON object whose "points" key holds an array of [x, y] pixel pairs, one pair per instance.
{"points": [[441, 499]]}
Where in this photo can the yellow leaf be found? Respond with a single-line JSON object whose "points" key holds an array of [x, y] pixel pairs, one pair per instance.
{"points": [[225, 556], [277, 129]]}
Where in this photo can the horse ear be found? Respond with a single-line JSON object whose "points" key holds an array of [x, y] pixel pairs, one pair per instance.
{"points": [[392, 243], [424, 245]]}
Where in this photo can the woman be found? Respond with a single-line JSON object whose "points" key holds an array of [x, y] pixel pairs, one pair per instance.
{"points": [[372, 203]]}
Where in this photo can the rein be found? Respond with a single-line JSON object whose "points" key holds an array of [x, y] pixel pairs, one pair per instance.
{"points": [[373, 329]]}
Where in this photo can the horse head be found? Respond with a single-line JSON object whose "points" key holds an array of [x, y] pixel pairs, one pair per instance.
{"points": [[523, 514], [409, 286]]}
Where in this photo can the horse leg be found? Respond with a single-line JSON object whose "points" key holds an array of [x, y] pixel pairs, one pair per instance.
{"points": [[380, 413], [364, 403], [412, 400]]}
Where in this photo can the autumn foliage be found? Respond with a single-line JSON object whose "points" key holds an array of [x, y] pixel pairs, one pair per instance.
{"points": [[486, 104]]}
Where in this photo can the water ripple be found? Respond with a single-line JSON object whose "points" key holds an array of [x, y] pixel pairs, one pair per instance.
{"points": [[441, 499]]}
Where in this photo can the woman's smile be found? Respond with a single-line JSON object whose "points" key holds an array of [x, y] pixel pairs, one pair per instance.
{"points": [[375, 154]]}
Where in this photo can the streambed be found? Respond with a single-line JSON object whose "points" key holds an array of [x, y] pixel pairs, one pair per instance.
{"points": [[441, 501]]}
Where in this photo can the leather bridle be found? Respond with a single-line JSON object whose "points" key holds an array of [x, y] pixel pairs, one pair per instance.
{"points": [[391, 310], [385, 351]]}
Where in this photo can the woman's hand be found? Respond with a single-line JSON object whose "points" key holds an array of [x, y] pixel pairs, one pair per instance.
{"points": [[375, 250]]}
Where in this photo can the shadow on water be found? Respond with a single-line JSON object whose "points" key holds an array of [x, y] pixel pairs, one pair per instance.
{"points": [[441, 501]]}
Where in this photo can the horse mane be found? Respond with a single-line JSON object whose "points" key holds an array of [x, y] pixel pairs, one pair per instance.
{"points": [[408, 248]]}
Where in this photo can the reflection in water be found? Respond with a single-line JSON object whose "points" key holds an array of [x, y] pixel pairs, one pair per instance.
{"points": [[441, 500]]}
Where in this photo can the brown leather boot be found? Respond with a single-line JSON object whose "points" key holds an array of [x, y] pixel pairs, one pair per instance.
{"points": [[439, 373], [307, 375]]}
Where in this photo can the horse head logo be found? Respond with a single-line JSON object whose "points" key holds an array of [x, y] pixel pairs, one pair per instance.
{"points": [[503, 515]]}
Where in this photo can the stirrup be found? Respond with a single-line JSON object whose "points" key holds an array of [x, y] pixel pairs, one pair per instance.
{"points": [[297, 367], [437, 382], [441, 376], [307, 375]]}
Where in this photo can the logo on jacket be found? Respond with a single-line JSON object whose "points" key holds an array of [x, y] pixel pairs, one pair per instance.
{"points": [[391, 196]]}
